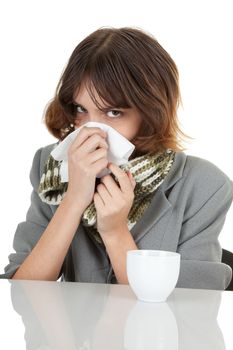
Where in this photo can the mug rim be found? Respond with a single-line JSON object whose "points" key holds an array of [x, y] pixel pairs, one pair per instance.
{"points": [[153, 253]]}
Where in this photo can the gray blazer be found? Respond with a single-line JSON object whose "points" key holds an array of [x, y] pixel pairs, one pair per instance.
{"points": [[186, 215]]}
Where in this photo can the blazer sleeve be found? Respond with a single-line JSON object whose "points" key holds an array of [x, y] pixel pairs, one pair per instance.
{"points": [[200, 250], [28, 232]]}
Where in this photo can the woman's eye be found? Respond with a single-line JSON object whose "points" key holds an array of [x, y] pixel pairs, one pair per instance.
{"points": [[79, 107], [115, 112]]}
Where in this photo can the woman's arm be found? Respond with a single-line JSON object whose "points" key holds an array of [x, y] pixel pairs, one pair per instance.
{"points": [[200, 250], [117, 244], [42, 240], [46, 258]]}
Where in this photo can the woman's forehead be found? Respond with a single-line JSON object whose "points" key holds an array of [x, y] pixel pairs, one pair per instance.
{"points": [[88, 91]]}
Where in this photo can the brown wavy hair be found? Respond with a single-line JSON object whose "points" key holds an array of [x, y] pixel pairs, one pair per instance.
{"points": [[128, 68]]}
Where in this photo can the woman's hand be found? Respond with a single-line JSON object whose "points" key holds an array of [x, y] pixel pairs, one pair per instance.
{"points": [[113, 203], [87, 156]]}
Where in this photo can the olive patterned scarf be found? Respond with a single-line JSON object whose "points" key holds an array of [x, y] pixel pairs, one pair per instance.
{"points": [[149, 171]]}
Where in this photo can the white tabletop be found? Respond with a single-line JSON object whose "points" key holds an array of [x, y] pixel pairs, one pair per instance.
{"points": [[40, 315]]}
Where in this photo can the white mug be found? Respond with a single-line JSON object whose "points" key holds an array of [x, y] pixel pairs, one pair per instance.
{"points": [[152, 274]]}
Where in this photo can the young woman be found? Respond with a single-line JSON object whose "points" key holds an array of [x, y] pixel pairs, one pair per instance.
{"points": [[81, 230]]}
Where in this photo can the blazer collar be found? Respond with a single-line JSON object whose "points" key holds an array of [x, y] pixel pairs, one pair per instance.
{"points": [[160, 204], [176, 171]]}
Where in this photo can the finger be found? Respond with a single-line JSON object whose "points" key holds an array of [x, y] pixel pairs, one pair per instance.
{"points": [[93, 143], [112, 186], [101, 153], [84, 134], [104, 193], [97, 200], [122, 177], [132, 179]]}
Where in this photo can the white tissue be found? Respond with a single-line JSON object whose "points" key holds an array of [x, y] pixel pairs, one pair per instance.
{"points": [[119, 149]]}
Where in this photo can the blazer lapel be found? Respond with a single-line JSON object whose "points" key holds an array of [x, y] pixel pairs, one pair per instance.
{"points": [[159, 205], [157, 208]]}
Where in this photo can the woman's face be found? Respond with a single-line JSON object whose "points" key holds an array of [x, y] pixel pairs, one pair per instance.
{"points": [[126, 121]]}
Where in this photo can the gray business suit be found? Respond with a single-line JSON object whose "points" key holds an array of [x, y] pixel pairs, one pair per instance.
{"points": [[186, 215]]}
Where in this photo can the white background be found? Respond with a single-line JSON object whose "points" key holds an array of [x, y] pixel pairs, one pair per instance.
{"points": [[37, 39]]}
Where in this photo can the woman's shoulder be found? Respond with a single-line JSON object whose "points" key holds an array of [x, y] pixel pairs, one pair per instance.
{"points": [[202, 178], [41, 156], [196, 173], [205, 170], [198, 181], [46, 150]]}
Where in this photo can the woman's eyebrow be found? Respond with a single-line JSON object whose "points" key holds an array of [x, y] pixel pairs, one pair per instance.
{"points": [[103, 108], [77, 103]]}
